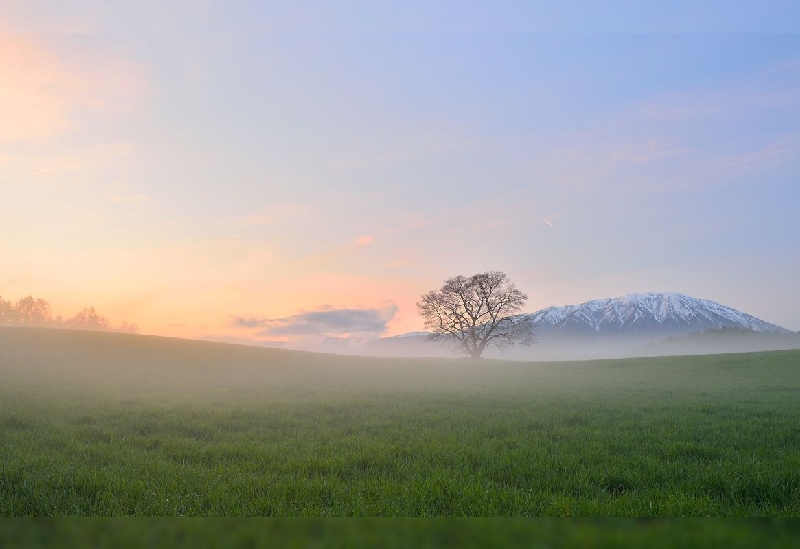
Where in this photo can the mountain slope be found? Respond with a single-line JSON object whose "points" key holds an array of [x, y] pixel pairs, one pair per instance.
{"points": [[659, 314]]}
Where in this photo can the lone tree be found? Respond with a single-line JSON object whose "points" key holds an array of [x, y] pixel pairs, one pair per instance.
{"points": [[473, 312]]}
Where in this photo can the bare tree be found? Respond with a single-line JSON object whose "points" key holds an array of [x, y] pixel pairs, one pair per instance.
{"points": [[474, 312], [89, 319], [32, 312], [127, 328], [8, 314]]}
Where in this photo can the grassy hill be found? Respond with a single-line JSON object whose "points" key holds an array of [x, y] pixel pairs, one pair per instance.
{"points": [[116, 424]]}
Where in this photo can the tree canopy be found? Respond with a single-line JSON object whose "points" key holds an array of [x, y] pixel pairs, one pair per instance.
{"points": [[474, 312], [30, 311]]}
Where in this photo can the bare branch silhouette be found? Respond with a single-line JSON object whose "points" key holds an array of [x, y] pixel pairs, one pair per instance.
{"points": [[477, 311]]}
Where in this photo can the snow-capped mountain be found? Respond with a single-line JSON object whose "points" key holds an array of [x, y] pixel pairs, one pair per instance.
{"points": [[601, 328], [661, 314]]}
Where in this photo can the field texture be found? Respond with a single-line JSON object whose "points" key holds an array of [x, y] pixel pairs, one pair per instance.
{"points": [[112, 424]]}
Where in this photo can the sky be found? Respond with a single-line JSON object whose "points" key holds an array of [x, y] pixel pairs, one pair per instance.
{"points": [[298, 172]]}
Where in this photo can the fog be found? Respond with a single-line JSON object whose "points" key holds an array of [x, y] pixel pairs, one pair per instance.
{"points": [[80, 364], [555, 348], [99, 423]]}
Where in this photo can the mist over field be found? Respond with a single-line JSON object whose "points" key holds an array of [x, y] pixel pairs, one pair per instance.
{"points": [[699, 343], [118, 424]]}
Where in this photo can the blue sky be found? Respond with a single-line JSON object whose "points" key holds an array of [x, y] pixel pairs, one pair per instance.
{"points": [[184, 168]]}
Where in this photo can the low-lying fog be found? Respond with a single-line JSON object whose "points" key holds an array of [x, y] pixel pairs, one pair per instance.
{"points": [[123, 365], [587, 348]]}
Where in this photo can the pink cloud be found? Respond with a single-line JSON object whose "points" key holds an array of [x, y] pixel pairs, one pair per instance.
{"points": [[33, 91], [42, 90]]}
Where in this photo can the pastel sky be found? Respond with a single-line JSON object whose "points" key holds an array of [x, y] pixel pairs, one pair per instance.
{"points": [[279, 171]]}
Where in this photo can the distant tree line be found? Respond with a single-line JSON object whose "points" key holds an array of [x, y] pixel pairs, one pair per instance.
{"points": [[727, 339], [731, 332], [30, 311]]}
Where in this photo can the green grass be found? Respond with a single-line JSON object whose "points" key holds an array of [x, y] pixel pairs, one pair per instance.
{"points": [[500, 533], [109, 425]]}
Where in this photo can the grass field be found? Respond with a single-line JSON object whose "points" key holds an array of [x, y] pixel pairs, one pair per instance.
{"points": [[110, 424]]}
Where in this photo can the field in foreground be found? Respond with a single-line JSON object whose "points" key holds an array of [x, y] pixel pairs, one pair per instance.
{"points": [[111, 424]]}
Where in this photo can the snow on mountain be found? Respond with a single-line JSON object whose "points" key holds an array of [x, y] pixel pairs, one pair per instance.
{"points": [[408, 334], [639, 314]]}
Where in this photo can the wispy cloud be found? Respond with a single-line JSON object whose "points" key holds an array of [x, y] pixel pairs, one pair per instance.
{"points": [[492, 224], [249, 322], [787, 65], [130, 198], [329, 322], [699, 138], [33, 91], [337, 253], [245, 341], [702, 103], [386, 151], [39, 165], [774, 153], [41, 88], [275, 214], [21, 279]]}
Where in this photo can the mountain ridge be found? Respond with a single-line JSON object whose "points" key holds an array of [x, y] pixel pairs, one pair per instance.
{"points": [[670, 311]]}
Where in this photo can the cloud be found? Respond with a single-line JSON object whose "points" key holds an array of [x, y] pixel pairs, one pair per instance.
{"points": [[787, 65], [250, 322], [17, 280], [130, 198], [695, 139], [244, 341], [42, 88], [329, 322], [702, 104], [278, 214], [383, 151], [364, 240], [33, 87], [358, 243]]}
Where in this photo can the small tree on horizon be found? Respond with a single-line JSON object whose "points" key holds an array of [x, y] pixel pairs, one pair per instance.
{"points": [[32, 312], [8, 314], [127, 328], [474, 312], [89, 319]]}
